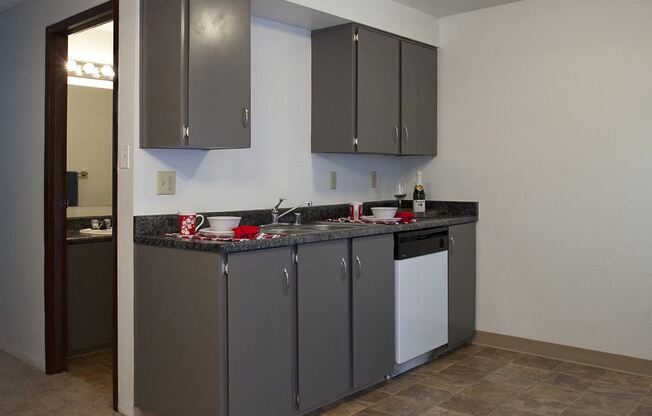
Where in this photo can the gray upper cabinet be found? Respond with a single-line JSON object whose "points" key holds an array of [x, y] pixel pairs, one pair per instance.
{"points": [[260, 333], [373, 309], [419, 99], [461, 284], [372, 92], [323, 323], [378, 92], [195, 74]]}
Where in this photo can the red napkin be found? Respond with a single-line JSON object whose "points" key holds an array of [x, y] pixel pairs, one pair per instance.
{"points": [[405, 216], [246, 231]]}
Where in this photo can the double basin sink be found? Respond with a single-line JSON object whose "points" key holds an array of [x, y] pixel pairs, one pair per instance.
{"points": [[318, 227]]}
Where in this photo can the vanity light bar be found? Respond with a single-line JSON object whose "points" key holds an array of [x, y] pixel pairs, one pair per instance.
{"points": [[90, 70]]}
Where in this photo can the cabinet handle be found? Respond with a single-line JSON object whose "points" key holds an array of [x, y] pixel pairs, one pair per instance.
{"points": [[245, 116], [286, 278], [406, 136], [357, 259], [396, 134], [453, 246], [344, 269]]}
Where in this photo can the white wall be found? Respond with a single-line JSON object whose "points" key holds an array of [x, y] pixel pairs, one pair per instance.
{"points": [[279, 162], [22, 86], [388, 15], [546, 119]]}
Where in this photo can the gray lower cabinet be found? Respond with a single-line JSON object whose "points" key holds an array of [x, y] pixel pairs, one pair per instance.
{"points": [[261, 358], [180, 332], [323, 314], [90, 295], [461, 284], [195, 74], [418, 99], [372, 92], [373, 309]]}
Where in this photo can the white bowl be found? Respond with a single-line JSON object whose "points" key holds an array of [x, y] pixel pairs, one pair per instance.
{"points": [[384, 212], [223, 223]]}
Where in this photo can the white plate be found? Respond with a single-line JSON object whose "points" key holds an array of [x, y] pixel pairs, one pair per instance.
{"points": [[212, 233], [371, 218]]}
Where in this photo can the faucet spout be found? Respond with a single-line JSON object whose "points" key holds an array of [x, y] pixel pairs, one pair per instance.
{"points": [[276, 216]]}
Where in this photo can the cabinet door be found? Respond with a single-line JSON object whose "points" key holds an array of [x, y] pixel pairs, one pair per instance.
{"points": [[461, 284], [323, 323], [219, 93], [378, 92], [260, 336], [419, 99], [163, 73], [373, 309]]}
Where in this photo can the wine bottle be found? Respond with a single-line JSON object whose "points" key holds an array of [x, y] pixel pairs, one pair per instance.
{"points": [[419, 196]]}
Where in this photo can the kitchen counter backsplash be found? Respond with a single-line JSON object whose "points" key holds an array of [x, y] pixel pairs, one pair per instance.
{"points": [[167, 223]]}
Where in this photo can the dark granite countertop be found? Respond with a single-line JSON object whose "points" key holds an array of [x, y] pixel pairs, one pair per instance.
{"points": [[151, 230], [75, 237]]}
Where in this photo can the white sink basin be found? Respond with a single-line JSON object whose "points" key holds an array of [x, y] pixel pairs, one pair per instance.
{"points": [[90, 231]]}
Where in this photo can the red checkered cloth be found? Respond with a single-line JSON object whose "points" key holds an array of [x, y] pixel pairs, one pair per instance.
{"points": [[199, 237], [350, 221]]}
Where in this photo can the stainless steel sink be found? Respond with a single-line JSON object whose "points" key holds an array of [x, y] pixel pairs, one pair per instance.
{"points": [[290, 229]]}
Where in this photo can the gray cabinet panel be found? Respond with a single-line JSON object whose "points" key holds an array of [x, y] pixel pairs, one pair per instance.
{"points": [[333, 90], [418, 99], [261, 354], [373, 309], [461, 284], [180, 332], [378, 92], [163, 73], [90, 295], [323, 322], [219, 73]]}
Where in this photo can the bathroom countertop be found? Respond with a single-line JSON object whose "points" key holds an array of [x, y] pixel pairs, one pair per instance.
{"points": [[75, 237]]}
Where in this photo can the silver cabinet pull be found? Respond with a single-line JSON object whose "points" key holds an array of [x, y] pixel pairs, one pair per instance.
{"points": [[453, 246], [396, 134], [245, 116], [286, 278], [406, 136], [344, 269], [357, 259]]}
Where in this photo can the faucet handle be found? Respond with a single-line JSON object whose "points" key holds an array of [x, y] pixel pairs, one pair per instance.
{"points": [[280, 201]]}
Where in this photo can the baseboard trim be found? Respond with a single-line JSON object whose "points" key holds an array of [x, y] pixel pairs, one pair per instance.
{"points": [[565, 353]]}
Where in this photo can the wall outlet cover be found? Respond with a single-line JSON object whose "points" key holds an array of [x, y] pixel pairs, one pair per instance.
{"points": [[333, 180], [166, 183]]}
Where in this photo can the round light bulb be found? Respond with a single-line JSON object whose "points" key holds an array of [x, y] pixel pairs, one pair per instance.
{"points": [[89, 68], [71, 65], [107, 71]]}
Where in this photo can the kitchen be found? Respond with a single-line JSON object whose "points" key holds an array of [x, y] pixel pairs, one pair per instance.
{"points": [[524, 135]]}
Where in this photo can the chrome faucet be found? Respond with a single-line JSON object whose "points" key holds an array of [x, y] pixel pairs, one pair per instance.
{"points": [[276, 216]]}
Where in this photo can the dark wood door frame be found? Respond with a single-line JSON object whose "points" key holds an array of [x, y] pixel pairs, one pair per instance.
{"points": [[56, 97]]}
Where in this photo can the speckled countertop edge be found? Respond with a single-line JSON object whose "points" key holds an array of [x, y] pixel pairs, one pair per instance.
{"points": [[291, 240], [75, 237]]}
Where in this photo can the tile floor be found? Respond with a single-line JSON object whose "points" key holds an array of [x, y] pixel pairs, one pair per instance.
{"points": [[86, 389], [479, 381]]}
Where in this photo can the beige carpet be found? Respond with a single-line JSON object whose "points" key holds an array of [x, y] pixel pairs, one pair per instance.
{"points": [[85, 390]]}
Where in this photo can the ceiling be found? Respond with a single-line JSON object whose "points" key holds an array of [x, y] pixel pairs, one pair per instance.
{"points": [[442, 8], [5, 4]]}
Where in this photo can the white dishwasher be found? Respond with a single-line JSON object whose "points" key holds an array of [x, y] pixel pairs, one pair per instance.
{"points": [[421, 283]]}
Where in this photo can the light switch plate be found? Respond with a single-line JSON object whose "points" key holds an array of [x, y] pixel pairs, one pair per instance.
{"points": [[374, 179], [333, 180], [125, 151], [166, 183]]}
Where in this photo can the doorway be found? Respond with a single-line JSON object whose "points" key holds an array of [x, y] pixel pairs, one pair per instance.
{"points": [[81, 95]]}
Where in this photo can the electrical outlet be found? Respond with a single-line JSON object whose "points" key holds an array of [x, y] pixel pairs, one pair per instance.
{"points": [[166, 183], [374, 179], [333, 180]]}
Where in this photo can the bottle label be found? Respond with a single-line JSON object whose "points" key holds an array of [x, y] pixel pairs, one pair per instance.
{"points": [[419, 205]]}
